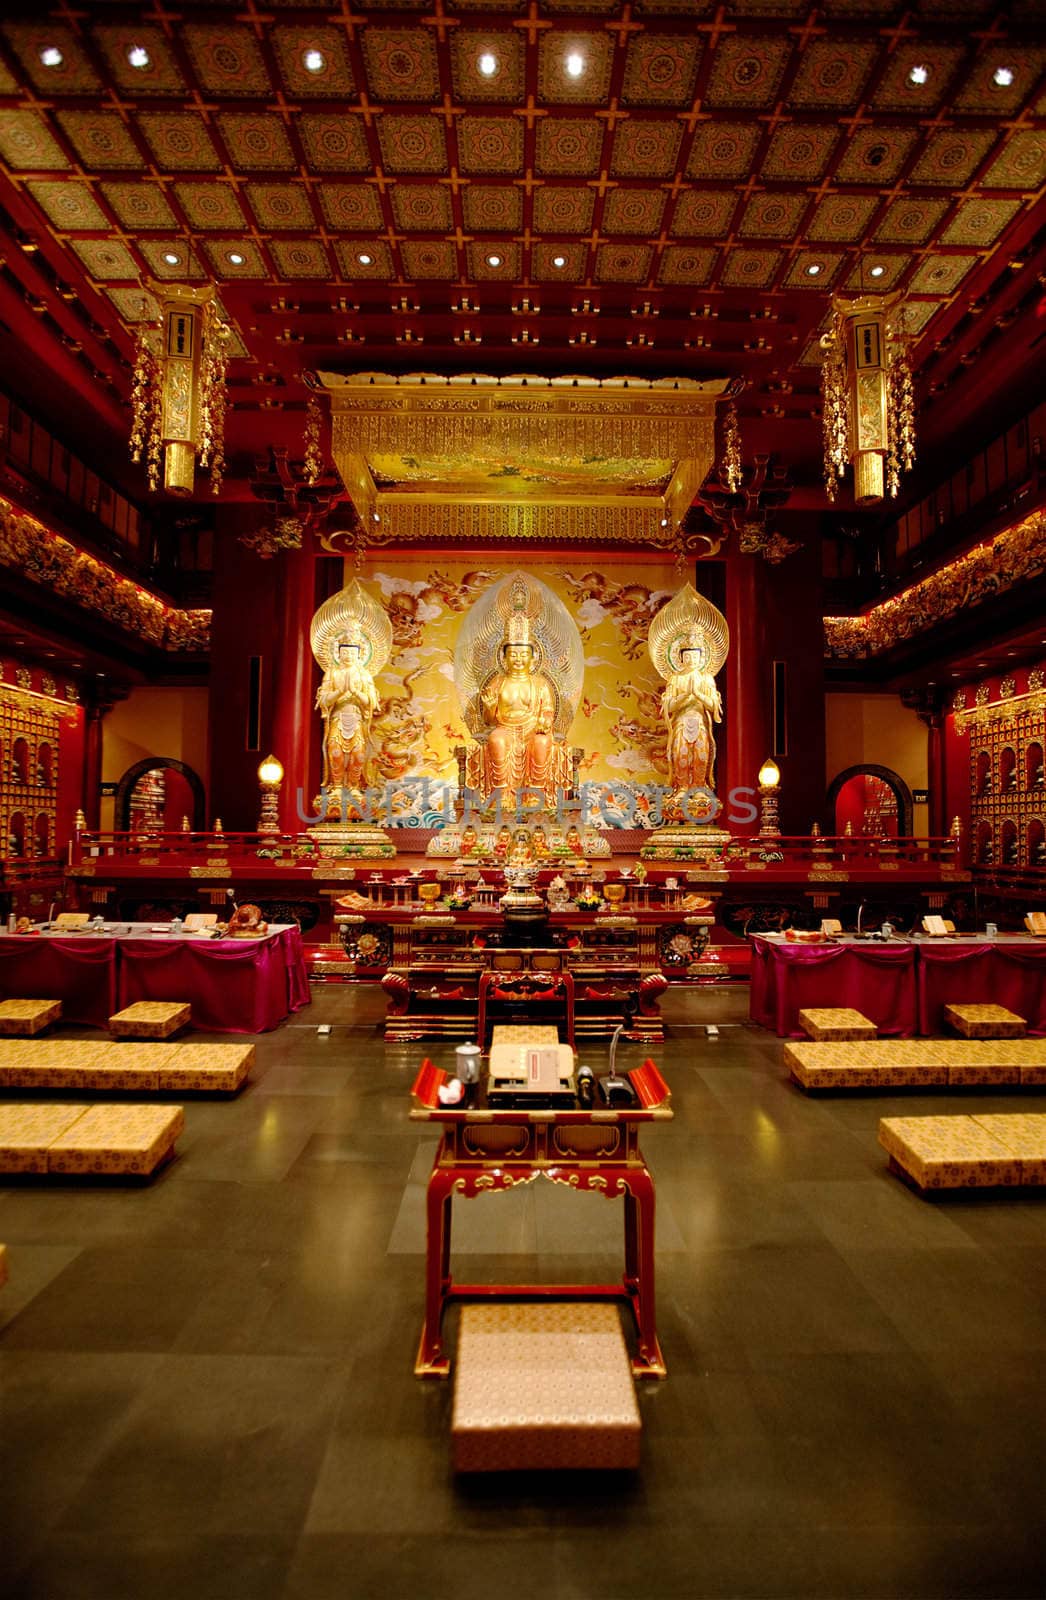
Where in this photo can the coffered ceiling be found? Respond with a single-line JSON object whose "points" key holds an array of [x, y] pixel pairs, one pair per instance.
{"points": [[662, 187]]}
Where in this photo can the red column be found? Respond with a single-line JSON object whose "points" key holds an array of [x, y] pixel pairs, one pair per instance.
{"points": [[746, 709], [936, 768], [95, 712], [930, 706], [92, 785], [291, 693]]}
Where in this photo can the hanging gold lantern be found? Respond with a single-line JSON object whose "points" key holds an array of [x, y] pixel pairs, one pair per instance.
{"points": [[730, 466], [179, 388], [869, 408]]}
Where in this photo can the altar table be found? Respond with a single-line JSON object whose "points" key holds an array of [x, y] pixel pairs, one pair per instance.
{"points": [[232, 985], [902, 985], [483, 1151]]}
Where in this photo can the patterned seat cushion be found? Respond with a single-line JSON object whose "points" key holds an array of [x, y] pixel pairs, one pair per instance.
{"points": [[1025, 1135], [117, 1139], [26, 1133], [835, 1023], [217, 1068], [543, 1386], [949, 1152], [919, 1063], [530, 1033], [985, 1022], [26, 1017], [149, 1019]]}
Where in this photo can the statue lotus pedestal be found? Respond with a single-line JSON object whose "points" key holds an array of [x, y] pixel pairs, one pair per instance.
{"points": [[361, 840], [701, 843]]}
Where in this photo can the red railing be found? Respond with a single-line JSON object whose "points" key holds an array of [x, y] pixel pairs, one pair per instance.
{"points": [[846, 851], [857, 853], [170, 848]]}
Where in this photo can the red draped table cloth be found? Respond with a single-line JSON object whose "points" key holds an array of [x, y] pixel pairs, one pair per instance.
{"points": [[80, 972], [877, 980], [232, 985], [1001, 972]]}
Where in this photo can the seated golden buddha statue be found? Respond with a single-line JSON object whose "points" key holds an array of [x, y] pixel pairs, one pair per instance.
{"points": [[519, 705], [518, 666]]}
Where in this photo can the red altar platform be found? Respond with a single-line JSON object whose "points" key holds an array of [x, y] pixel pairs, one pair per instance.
{"points": [[768, 881]]}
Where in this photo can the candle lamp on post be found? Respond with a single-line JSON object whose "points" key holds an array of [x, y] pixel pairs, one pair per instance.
{"points": [[270, 777], [769, 783]]}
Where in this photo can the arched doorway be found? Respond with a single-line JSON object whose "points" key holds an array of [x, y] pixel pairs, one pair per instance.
{"points": [[874, 800], [154, 795]]}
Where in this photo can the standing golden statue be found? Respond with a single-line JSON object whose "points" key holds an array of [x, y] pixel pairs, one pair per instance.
{"points": [[691, 705], [347, 699], [351, 638], [518, 667], [688, 643]]}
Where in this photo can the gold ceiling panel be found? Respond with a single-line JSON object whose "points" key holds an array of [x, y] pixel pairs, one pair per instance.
{"points": [[577, 159], [474, 459]]}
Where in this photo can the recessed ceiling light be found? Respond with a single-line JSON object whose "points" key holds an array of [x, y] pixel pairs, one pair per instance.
{"points": [[877, 272], [171, 257], [918, 73], [314, 60], [813, 269], [51, 56], [138, 56], [493, 261], [575, 64], [1003, 77], [364, 259], [488, 64], [559, 261], [235, 258]]}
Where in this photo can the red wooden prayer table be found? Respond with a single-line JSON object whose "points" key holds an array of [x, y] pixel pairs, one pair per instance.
{"points": [[486, 1151]]}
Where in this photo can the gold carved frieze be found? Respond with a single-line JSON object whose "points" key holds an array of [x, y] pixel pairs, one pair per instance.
{"points": [[44, 557], [1012, 557], [582, 525], [980, 716]]}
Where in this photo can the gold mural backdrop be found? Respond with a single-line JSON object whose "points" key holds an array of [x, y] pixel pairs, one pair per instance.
{"points": [[618, 724]]}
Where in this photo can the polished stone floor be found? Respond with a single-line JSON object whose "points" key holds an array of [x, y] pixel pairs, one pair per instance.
{"points": [[206, 1388]]}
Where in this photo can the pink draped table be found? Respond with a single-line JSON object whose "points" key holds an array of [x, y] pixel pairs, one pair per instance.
{"points": [[79, 971], [232, 985], [902, 986], [1009, 972], [876, 979]]}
